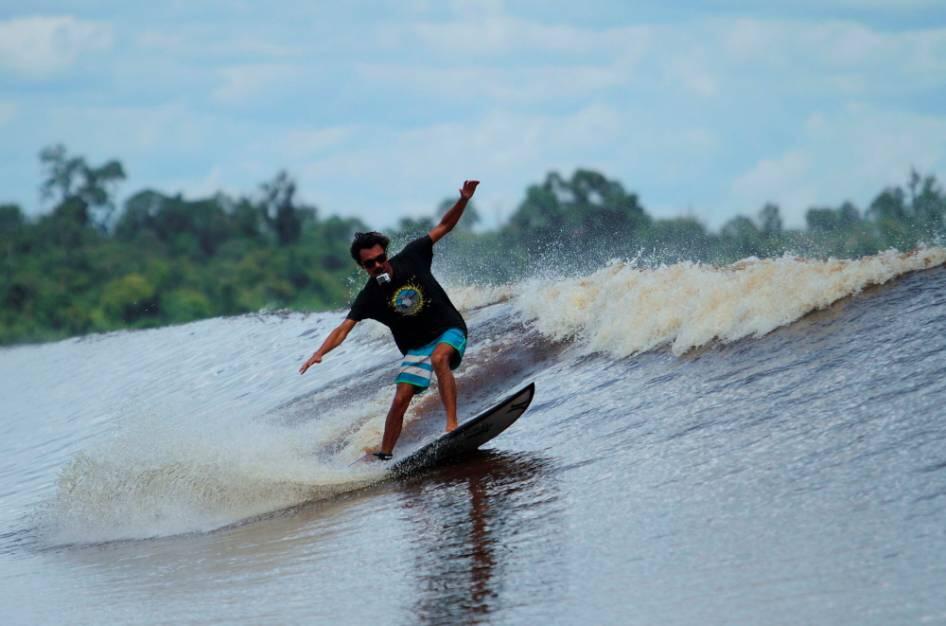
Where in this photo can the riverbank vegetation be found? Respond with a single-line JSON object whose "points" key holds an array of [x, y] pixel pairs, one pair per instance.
{"points": [[88, 265]]}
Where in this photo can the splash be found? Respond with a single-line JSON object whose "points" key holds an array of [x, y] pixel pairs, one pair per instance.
{"points": [[624, 310], [163, 475], [468, 298]]}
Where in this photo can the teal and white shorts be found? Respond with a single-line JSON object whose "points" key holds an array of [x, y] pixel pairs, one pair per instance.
{"points": [[416, 368]]}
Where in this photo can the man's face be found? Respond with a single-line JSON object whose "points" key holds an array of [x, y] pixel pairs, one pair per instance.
{"points": [[374, 260]]}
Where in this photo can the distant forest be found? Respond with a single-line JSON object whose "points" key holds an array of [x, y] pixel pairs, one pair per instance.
{"points": [[89, 266]]}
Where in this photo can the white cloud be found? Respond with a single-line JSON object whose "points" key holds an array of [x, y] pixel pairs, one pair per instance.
{"points": [[690, 73], [848, 155], [40, 46], [499, 35], [842, 57], [497, 141], [7, 112], [515, 59], [409, 168], [895, 5], [123, 129], [507, 60], [203, 40], [311, 142], [155, 143], [703, 110], [472, 8], [503, 84], [200, 186], [171, 148], [244, 83], [784, 178]]}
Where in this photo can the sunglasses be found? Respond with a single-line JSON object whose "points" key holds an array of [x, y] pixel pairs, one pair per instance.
{"points": [[378, 260]]}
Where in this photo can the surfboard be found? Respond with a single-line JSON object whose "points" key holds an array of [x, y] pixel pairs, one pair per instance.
{"points": [[469, 435]]}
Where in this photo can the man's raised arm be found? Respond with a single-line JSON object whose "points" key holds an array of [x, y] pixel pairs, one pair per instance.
{"points": [[334, 339], [451, 217]]}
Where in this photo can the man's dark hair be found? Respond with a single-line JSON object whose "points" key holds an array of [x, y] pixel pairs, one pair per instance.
{"points": [[367, 240]]}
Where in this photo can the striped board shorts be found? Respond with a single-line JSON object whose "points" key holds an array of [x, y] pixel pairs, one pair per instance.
{"points": [[415, 366]]}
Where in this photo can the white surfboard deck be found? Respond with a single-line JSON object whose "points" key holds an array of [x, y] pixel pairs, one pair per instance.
{"points": [[469, 435]]}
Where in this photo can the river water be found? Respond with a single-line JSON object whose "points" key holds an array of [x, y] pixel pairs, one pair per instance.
{"points": [[758, 444]]}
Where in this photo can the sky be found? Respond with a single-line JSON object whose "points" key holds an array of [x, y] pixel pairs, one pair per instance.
{"points": [[381, 109]]}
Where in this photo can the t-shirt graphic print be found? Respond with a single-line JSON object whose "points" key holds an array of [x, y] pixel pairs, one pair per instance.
{"points": [[408, 300]]}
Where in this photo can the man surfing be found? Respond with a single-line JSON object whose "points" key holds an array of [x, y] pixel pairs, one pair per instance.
{"points": [[402, 294]]}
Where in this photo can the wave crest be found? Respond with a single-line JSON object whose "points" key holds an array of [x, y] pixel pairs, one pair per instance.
{"points": [[624, 310]]}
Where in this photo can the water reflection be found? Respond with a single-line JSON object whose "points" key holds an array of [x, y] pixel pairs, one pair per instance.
{"points": [[455, 545], [468, 521]]}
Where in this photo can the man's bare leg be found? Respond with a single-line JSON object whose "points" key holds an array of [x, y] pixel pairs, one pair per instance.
{"points": [[392, 425], [440, 360]]}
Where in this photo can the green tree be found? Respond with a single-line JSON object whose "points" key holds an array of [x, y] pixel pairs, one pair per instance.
{"points": [[891, 216], [770, 220], [83, 192], [471, 216], [193, 227], [830, 220], [11, 219], [129, 298], [927, 204], [280, 212], [586, 218], [409, 227], [170, 259], [678, 238], [741, 238]]}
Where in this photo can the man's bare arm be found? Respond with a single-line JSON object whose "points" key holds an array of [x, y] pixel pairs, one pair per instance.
{"points": [[451, 217], [334, 339]]}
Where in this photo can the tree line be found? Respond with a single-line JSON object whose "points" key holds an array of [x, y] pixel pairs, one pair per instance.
{"points": [[89, 266]]}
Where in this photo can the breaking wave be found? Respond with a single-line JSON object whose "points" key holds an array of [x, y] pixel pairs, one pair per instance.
{"points": [[195, 445]]}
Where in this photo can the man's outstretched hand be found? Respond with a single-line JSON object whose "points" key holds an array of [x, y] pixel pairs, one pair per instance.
{"points": [[469, 186], [315, 358]]}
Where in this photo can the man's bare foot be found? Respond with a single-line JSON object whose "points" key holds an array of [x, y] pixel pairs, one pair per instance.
{"points": [[451, 425], [373, 453]]}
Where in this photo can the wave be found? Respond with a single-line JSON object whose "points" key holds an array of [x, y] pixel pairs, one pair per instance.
{"points": [[622, 310], [195, 462]]}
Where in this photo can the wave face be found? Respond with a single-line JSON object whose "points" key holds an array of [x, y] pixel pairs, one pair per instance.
{"points": [[680, 410], [195, 427]]}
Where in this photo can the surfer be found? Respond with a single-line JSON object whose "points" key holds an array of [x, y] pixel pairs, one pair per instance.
{"points": [[403, 294]]}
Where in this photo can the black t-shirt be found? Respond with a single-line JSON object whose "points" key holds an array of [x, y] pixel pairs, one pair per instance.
{"points": [[413, 305]]}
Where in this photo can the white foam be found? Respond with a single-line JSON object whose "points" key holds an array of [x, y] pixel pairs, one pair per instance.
{"points": [[623, 309], [470, 297], [175, 472]]}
